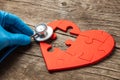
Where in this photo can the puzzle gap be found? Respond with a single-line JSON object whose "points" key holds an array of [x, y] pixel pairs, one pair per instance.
{"points": [[67, 33], [62, 37]]}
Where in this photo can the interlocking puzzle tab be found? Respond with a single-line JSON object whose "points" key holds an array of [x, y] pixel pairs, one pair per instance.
{"points": [[89, 47]]}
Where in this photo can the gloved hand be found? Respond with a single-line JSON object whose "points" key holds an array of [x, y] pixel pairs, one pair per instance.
{"points": [[13, 31]]}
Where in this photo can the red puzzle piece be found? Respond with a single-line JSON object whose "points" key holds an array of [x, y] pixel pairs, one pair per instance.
{"points": [[89, 47]]}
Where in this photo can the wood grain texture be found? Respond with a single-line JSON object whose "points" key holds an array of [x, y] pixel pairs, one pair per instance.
{"points": [[26, 63]]}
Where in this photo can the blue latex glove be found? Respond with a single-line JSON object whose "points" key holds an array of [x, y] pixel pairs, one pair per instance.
{"points": [[13, 31]]}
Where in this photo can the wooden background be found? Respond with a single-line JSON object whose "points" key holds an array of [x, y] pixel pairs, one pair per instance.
{"points": [[26, 63]]}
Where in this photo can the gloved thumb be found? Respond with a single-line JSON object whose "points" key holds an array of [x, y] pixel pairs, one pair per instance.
{"points": [[19, 39]]}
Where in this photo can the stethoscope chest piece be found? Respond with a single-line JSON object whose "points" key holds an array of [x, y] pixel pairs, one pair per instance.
{"points": [[42, 32]]}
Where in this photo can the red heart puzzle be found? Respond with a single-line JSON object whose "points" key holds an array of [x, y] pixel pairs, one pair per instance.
{"points": [[89, 47]]}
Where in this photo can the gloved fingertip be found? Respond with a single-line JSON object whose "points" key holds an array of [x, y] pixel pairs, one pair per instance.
{"points": [[26, 40], [30, 32], [20, 39]]}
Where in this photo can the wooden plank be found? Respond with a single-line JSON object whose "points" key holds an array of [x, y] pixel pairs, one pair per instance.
{"points": [[87, 14]]}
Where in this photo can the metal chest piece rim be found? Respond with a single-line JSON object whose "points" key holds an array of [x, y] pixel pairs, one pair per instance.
{"points": [[42, 32]]}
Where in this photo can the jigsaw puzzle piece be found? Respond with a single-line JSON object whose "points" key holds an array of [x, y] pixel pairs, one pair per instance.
{"points": [[104, 48], [94, 35], [106, 45], [64, 25]]}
